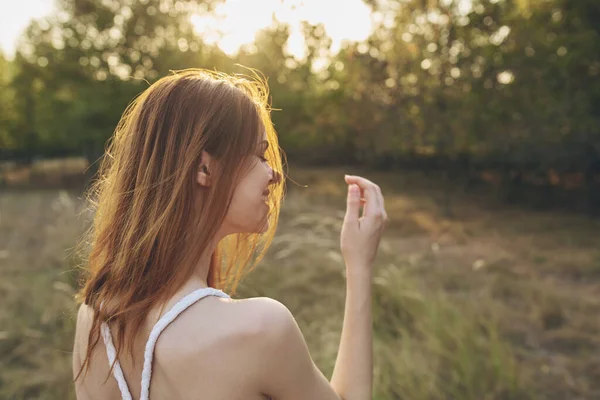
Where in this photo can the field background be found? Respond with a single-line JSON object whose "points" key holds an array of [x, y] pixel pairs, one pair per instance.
{"points": [[494, 302]]}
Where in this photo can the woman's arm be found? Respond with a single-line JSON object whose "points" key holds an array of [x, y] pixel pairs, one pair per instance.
{"points": [[353, 373], [288, 372]]}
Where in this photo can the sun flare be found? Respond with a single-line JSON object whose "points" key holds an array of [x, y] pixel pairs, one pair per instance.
{"points": [[234, 23]]}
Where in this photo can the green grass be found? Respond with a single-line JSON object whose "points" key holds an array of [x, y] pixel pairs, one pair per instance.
{"points": [[495, 304]]}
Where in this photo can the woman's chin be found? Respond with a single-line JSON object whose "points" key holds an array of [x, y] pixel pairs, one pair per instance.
{"points": [[265, 227]]}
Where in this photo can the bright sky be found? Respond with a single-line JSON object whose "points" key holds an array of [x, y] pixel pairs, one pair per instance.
{"points": [[15, 17], [235, 23]]}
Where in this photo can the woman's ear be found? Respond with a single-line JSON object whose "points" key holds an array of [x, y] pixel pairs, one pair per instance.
{"points": [[204, 168]]}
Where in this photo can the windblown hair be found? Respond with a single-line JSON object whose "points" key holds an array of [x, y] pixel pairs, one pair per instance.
{"points": [[147, 234]]}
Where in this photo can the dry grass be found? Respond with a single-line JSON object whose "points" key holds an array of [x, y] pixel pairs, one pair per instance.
{"points": [[490, 304]]}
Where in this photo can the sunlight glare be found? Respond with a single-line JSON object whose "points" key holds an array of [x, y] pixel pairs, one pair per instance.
{"points": [[236, 22]]}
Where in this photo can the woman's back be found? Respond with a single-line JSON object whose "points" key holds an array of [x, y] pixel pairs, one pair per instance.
{"points": [[203, 353]]}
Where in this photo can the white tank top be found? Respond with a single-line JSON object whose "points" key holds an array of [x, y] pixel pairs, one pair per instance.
{"points": [[162, 323]]}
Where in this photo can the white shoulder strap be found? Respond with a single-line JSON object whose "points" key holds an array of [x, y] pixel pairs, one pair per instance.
{"points": [[162, 323], [112, 355]]}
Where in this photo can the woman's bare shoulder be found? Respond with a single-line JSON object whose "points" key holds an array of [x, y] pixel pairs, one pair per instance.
{"points": [[228, 321], [260, 317], [83, 322], [221, 331], [82, 328], [263, 308], [220, 338], [266, 352], [84, 314]]}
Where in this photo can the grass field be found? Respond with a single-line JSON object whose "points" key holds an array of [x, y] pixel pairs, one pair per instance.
{"points": [[493, 303]]}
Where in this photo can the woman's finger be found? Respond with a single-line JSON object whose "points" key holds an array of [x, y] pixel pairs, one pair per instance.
{"points": [[369, 190], [381, 202], [377, 206]]}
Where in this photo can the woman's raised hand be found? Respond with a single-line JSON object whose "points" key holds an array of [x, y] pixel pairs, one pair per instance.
{"points": [[361, 234]]}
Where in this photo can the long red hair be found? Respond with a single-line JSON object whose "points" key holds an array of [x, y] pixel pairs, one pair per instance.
{"points": [[143, 197]]}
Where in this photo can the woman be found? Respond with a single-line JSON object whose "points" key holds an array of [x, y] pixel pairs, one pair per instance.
{"points": [[187, 200]]}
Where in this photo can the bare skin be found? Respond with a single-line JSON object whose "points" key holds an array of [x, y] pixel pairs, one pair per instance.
{"points": [[252, 348]]}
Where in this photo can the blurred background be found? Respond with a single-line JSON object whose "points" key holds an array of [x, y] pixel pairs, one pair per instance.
{"points": [[480, 120]]}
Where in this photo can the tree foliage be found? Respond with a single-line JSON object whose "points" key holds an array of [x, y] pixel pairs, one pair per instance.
{"points": [[501, 84]]}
